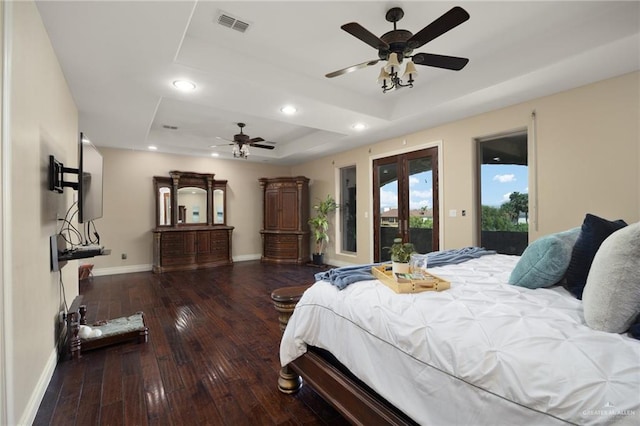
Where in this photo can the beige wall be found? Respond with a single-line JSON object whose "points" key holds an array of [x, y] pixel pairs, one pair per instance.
{"points": [[42, 120], [129, 203], [587, 142]]}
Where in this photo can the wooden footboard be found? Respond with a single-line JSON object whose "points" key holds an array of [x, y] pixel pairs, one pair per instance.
{"points": [[354, 401]]}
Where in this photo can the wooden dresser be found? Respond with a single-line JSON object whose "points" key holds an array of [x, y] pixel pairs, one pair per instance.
{"points": [[191, 247], [285, 231], [191, 222]]}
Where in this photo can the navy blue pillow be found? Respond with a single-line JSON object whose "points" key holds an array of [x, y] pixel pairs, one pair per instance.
{"points": [[593, 232]]}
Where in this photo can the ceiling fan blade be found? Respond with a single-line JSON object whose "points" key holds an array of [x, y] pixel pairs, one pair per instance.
{"points": [[360, 32], [446, 22], [226, 140], [256, 140], [352, 68], [257, 145], [440, 61]]}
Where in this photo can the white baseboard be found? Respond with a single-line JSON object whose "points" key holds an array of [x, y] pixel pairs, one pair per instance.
{"points": [[30, 411], [246, 257], [120, 270], [98, 272]]}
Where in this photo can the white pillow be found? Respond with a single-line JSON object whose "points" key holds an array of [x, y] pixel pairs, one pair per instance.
{"points": [[611, 298]]}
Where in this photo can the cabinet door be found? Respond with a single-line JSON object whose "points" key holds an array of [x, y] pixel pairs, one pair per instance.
{"points": [[219, 245], [189, 243], [213, 246], [178, 248], [203, 242], [289, 209], [271, 208]]}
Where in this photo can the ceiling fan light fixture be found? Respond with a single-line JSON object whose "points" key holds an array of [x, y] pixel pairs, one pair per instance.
{"points": [[392, 64], [396, 45], [410, 71], [384, 75]]}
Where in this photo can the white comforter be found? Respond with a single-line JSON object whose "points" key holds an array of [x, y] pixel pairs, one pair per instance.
{"points": [[482, 352]]}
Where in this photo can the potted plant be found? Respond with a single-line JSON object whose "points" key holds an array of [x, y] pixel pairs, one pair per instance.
{"points": [[400, 255], [320, 227]]}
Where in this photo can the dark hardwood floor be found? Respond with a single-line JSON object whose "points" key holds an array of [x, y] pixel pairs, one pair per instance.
{"points": [[211, 358]]}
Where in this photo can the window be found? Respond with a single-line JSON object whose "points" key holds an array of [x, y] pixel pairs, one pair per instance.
{"points": [[347, 211]]}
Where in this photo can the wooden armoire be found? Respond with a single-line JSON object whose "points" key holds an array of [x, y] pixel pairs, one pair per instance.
{"points": [[285, 230]]}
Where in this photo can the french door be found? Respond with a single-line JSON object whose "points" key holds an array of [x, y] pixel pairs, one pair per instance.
{"points": [[405, 199]]}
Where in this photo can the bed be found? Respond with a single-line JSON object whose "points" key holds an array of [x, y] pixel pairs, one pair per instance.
{"points": [[483, 352]]}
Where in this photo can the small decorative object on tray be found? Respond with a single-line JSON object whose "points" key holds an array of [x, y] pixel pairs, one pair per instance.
{"points": [[409, 283]]}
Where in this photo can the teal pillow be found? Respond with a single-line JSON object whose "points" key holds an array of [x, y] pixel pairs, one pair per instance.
{"points": [[544, 262]]}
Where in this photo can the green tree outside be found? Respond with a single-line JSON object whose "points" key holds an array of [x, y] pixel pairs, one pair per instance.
{"points": [[505, 217], [420, 222]]}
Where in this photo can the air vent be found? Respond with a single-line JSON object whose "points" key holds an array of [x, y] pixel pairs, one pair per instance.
{"points": [[166, 126], [227, 20]]}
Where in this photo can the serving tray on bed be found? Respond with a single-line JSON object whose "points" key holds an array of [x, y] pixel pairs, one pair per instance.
{"points": [[429, 283]]}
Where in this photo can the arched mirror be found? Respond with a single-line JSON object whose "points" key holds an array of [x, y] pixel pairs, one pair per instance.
{"points": [[192, 205], [162, 194], [218, 206], [190, 199]]}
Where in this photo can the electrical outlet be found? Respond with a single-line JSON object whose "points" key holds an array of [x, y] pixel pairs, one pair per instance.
{"points": [[124, 256]]}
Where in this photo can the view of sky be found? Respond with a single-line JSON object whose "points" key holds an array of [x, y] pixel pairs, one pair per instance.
{"points": [[420, 192], [498, 182]]}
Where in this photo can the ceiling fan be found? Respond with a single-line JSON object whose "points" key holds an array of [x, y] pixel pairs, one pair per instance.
{"points": [[396, 45], [242, 142]]}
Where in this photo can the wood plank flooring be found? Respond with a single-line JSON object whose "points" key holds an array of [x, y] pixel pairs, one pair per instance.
{"points": [[211, 358]]}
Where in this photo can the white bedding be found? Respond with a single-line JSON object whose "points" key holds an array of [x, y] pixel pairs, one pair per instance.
{"points": [[482, 352]]}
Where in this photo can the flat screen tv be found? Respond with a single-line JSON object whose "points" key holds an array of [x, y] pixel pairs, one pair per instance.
{"points": [[89, 181]]}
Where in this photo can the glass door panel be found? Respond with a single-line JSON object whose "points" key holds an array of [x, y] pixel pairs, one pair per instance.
{"points": [[388, 209], [421, 204]]}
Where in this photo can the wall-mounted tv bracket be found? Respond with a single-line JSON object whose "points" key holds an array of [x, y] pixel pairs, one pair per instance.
{"points": [[56, 176]]}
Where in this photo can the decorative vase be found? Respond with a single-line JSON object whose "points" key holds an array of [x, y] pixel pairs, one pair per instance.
{"points": [[400, 268]]}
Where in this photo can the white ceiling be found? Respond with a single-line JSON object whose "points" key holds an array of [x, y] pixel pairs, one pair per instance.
{"points": [[121, 57]]}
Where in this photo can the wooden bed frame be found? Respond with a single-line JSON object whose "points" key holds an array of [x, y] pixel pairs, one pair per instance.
{"points": [[356, 402]]}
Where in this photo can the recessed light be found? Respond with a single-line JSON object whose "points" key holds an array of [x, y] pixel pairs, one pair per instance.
{"points": [[152, 147], [289, 109], [359, 126], [184, 85], [215, 154]]}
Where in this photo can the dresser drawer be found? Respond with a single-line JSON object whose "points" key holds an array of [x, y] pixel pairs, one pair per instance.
{"points": [[281, 246]]}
